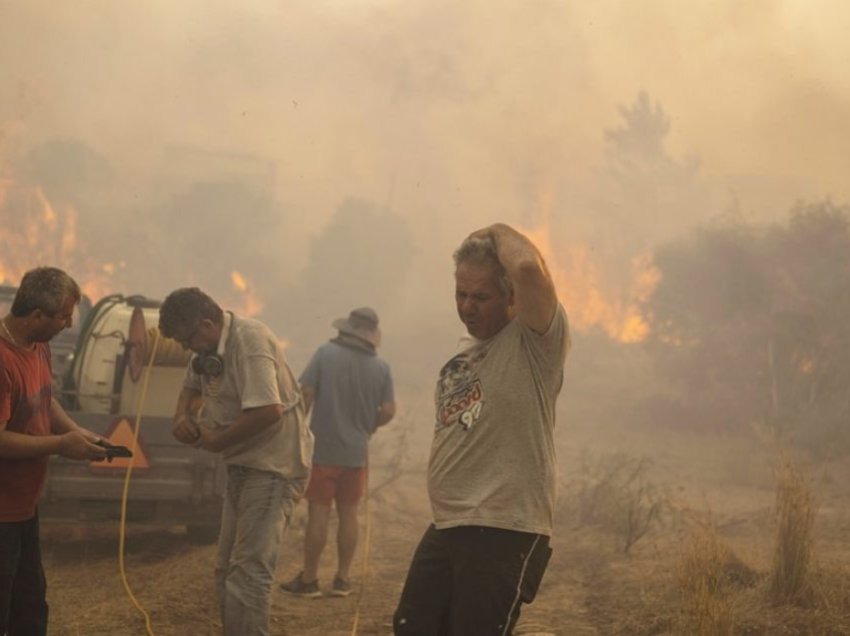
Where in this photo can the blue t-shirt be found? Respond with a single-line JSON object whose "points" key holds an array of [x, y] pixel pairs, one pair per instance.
{"points": [[350, 385]]}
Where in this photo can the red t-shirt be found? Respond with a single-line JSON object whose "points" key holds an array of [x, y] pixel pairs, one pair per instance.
{"points": [[26, 389]]}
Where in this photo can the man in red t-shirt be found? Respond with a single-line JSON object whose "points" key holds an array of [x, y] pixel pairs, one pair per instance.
{"points": [[33, 426]]}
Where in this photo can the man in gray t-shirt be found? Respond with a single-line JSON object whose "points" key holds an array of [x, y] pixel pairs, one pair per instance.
{"points": [[254, 416], [351, 392], [492, 471]]}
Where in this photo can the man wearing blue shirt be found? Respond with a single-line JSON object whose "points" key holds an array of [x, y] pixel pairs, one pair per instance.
{"points": [[350, 390]]}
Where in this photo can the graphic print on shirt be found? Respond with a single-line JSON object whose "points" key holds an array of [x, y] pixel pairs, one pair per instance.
{"points": [[460, 396]]}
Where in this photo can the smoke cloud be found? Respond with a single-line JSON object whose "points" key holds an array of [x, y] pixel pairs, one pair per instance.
{"points": [[198, 138]]}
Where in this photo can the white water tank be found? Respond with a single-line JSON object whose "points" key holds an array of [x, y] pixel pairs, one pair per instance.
{"points": [[111, 361]]}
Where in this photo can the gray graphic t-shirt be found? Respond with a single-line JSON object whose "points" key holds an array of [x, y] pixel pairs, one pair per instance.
{"points": [[493, 455]]}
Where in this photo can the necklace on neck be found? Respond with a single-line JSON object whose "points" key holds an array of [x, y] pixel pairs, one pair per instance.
{"points": [[8, 333]]}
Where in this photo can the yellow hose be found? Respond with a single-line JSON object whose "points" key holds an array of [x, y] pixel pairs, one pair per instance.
{"points": [[169, 353], [129, 472]]}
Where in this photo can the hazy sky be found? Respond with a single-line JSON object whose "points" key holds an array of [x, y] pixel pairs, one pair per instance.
{"points": [[344, 94], [454, 114]]}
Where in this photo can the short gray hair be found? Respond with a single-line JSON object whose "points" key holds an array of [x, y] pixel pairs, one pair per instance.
{"points": [[184, 309], [44, 288], [481, 250]]}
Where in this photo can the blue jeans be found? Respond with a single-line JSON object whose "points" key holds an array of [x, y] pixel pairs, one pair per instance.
{"points": [[257, 507], [23, 608]]}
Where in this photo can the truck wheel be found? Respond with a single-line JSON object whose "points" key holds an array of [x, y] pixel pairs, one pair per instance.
{"points": [[202, 535]]}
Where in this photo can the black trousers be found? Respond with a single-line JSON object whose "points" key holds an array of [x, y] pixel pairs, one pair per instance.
{"points": [[470, 581], [23, 589]]}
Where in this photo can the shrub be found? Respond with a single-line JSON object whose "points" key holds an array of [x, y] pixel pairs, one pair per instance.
{"points": [[795, 515], [613, 493]]}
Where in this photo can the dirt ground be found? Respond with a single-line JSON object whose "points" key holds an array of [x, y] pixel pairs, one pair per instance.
{"points": [[591, 587], [172, 579]]}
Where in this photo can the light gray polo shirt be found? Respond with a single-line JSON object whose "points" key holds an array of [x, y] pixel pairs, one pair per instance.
{"points": [[256, 374]]}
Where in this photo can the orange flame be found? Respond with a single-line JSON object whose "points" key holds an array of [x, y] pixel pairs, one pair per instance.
{"points": [[239, 281], [579, 285], [37, 232], [250, 303]]}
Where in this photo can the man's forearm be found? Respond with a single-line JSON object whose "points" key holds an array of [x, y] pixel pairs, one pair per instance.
{"points": [[246, 426], [77, 443], [533, 288], [516, 253], [20, 446]]}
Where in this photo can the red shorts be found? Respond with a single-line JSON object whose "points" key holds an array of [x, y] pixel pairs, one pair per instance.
{"points": [[342, 484]]}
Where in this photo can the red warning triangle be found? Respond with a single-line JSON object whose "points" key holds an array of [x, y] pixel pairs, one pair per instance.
{"points": [[122, 435]]}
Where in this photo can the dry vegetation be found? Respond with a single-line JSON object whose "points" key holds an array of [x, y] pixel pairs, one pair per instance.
{"points": [[613, 493], [723, 558], [790, 580], [710, 536]]}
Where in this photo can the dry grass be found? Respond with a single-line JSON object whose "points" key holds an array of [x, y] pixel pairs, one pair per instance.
{"points": [[703, 581], [683, 577], [795, 517], [720, 595]]}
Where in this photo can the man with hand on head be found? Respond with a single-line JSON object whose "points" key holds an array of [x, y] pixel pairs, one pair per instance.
{"points": [[492, 470], [254, 416], [33, 426], [351, 391]]}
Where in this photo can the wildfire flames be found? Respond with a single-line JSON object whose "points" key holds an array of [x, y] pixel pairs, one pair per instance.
{"points": [[580, 288], [251, 305], [37, 232]]}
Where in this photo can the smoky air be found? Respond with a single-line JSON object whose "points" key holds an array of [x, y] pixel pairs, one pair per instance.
{"points": [[682, 174]]}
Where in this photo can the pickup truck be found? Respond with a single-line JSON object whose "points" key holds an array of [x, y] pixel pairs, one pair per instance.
{"points": [[101, 388]]}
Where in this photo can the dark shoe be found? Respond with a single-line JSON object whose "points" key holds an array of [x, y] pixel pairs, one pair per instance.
{"points": [[340, 587], [299, 587]]}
